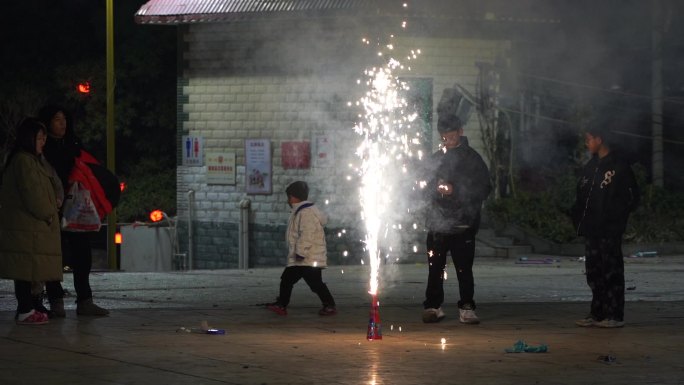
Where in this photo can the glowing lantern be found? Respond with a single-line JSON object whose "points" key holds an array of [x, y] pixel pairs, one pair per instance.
{"points": [[118, 238], [122, 186], [84, 88], [156, 215]]}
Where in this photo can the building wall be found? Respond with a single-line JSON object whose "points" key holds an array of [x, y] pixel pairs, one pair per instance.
{"points": [[293, 81]]}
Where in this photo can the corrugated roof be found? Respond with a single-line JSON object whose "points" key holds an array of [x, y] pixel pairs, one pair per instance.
{"points": [[193, 11], [199, 11]]}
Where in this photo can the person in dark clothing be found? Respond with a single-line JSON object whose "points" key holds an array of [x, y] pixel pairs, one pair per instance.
{"points": [[606, 194], [61, 150], [457, 186]]}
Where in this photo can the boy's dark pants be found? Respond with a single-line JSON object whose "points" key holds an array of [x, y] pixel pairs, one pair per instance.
{"points": [[312, 276], [606, 277], [462, 249]]}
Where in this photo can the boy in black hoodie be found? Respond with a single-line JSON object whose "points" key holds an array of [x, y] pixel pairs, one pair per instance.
{"points": [[606, 193]]}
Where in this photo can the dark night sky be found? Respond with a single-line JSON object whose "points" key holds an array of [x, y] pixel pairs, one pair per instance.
{"points": [[41, 35], [603, 44], [608, 40]]}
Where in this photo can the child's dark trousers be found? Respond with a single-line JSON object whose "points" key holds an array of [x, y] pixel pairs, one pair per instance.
{"points": [[312, 276]]}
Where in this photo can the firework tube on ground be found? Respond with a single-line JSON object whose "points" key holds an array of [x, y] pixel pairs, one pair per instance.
{"points": [[374, 327]]}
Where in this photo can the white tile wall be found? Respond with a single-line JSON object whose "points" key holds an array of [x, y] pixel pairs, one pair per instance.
{"points": [[225, 108]]}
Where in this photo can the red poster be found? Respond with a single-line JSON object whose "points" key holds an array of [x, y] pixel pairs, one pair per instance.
{"points": [[295, 154]]}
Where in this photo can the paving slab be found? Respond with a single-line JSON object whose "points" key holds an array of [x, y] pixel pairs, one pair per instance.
{"points": [[139, 343]]}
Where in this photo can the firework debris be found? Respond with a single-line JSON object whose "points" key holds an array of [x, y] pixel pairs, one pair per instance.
{"points": [[522, 347]]}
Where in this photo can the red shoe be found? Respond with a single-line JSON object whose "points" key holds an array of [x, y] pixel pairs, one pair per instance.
{"points": [[280, 310], [35, 318]]}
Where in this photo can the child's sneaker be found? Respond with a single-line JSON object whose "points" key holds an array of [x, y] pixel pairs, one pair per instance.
{"points": [[33, 318], [280, 310], [327, 310]]}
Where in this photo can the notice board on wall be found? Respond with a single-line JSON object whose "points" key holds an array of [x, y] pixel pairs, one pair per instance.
{"points": [[325, 155], [221, 168], [258, 166], [295, 155]]}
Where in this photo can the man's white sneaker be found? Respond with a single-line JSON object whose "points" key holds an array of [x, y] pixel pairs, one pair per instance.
{"points": [[610, 323], [432, 315], [468, 316], [586, 322]]}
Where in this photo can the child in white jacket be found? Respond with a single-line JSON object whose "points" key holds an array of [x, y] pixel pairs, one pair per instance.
{"points": [[307, 252]]}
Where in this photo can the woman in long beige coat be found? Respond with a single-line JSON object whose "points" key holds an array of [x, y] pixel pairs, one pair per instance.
{"points": [[30, 248]]}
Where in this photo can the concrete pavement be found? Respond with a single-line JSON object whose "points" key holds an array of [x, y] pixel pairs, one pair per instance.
{"points": [[535, 300]]}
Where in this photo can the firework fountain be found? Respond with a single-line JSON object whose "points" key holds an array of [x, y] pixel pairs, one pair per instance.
{"points": [[386, 145]]}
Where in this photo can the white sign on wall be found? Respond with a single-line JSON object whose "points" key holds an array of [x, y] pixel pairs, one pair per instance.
{"points": [[193, 150], [258, 165], [221, 168], [325, 155]]}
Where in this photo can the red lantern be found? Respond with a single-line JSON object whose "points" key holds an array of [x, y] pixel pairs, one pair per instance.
{"points": [[156, 215], [84, 87]]}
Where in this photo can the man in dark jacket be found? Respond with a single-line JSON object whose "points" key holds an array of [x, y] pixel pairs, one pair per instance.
{"points": [[606, 193], [61, 150], [458, 184]]}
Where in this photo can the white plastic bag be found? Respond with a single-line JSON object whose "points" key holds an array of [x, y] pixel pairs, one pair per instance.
{"points": [[79, 213]]}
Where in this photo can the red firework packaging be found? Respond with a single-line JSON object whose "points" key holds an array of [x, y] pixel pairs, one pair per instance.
{"points": [[374, 327]]}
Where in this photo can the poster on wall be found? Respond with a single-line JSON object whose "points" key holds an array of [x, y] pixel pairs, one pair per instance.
{"points": [[325, 156], [221, 168], [258, 165], [295, 155], [193, 150]]}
